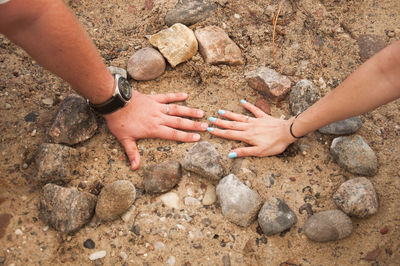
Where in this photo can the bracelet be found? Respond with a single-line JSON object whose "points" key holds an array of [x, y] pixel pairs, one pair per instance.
{"points": [[291, 130]]}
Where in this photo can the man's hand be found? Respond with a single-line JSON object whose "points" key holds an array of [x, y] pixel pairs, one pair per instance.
{"points": [[150, 116]]}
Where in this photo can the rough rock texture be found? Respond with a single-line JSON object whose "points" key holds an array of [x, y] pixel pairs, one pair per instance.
{"points": [[344, 127], [328, 226], [162, 177], [353, 154], [357, 197], [55, 163], [115, 199], [264, 105], [209, 196], [189, 12], [216, 47], [369, 45], [117, 70], [269, 82], [303, 95], [275, 216], [239, 203], [177, 43], [74, 122], [146, 64], [66, 209], [171, 200], [204, 160]]}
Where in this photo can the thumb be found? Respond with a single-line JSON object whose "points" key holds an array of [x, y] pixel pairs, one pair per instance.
{"points": [[132, 152]]}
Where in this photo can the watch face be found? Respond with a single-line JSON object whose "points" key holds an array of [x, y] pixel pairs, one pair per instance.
{"points": [[124, 88]]}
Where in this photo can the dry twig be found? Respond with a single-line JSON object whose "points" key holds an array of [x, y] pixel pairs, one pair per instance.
{"points": [[275, 20]]}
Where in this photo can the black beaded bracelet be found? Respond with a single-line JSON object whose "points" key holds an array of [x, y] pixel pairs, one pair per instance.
{"points": [[291, 131]]}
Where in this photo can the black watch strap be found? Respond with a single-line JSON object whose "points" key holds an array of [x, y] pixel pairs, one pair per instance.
{"points": [[109, 106]]}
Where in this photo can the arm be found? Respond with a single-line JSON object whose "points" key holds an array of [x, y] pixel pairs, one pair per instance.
{"points": [[55, 39], [374, 83]]}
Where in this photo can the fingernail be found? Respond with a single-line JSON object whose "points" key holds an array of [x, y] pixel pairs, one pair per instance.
{"points": [[221, 112], [212, 119], [204, 125], [200, 113], [232, 155], [242, 101], [209, 129], [196, 137]]}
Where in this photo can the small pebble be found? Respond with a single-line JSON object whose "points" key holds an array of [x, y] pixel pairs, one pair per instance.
{"points": [[48, 101], [98, 255], [158, 245], [384, 230], [89, 243], [7, 106], [171, 260], [18, 232], [237, 16]]}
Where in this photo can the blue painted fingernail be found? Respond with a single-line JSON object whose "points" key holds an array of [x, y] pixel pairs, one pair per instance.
{"points": [[232, 155], [209, 129], [243, 101], [212, 119], [221, 112]]}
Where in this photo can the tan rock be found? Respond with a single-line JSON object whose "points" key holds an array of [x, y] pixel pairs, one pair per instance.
{"points": [[146, 64]]}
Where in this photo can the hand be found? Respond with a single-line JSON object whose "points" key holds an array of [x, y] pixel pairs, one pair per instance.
{"points": [[150, 116], [266, 135]]}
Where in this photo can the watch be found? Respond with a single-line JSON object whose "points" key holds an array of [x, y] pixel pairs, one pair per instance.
{"points": [[122, 95]]}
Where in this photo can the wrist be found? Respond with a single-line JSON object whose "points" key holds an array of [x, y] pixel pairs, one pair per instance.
{"points": [[103, 91]]}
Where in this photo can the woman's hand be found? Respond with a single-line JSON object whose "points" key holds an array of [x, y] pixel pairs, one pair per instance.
{"points": [[266, 135]]}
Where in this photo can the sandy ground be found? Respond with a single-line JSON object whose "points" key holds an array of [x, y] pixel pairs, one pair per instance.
{"points": [[317, 40]]}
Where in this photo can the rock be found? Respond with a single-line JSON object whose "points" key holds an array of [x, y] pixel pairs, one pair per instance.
{"points": [[328, 226], [48, 101], [264, 105], [303, 95], [344, 127], [243, 169], [31, 117], [239, 203], [74, 122], [55, 163], [7, 106], [190, 201], [369, 45], [162, 177], [357, 197], [115, 199], [98, 255], [171, 200], [177, 43], [275, 216], [66, 209], [226, 260], [158, 246], [216, 47], [209, 197], [171, 260], [126, 217], [269, 82], [353, 154], [146, 64], [117, 70], [190, 12], [89, 244], [203, 159]]}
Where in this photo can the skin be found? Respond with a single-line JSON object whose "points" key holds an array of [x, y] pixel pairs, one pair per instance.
{"points": [[374, 83], [47, 31]]}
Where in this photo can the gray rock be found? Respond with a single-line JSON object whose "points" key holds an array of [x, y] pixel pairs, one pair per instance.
{"points": [[117, 70], [204, 160], [115, 199], [146, 64], [55, 163], [369, 45], [162, 177], [66, 209], [239, 203], [357, 197], [344, 127], [303, 95], [353, 154], [74, 122], [328, 226], [189, 12], [275, 216], [269, 82]]}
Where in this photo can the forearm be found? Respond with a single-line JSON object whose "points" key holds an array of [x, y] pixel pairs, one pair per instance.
{"points": [[374, 83], [55, 39]]}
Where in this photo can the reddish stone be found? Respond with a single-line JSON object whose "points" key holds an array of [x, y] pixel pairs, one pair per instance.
{"points": [[263, 105], [292, 178], [384, 230], [369, 45]]}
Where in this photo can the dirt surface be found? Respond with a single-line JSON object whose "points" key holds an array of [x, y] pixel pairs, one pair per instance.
{"points": [[316, 39]]}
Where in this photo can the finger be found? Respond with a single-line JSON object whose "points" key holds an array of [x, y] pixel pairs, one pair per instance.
{"points": [[228, 124], [245, 151], [169, 97], [173, 134], [132, 152], [234, 116], [227, 134], [254, 109], [186, 124], [179, 110]]}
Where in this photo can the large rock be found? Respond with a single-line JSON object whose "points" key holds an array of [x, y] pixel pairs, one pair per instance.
{"points": [[162, 177], [217, 48], [344, 127], [275, 216], [353, 154], [177, 43], [146, 64], [203, 159], [189, 12], [238, 202], [117, 70], [369, 45], [66, 209], [55, 163], [303, 95], [269, 82], [115, 199], [357, 197], [328, 226], [74, 122]]}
